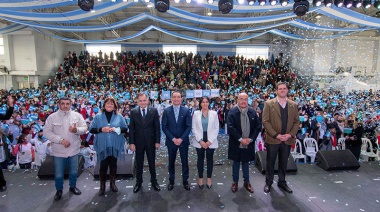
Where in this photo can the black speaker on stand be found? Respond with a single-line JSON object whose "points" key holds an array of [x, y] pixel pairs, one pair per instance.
{"points": [[261, 163], [47, 168], [125, 168], [336, 160]]}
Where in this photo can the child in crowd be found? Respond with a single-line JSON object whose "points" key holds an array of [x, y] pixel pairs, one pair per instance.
{"points": [[24, 151], [88, 154], [329, 139], [42, 148]]}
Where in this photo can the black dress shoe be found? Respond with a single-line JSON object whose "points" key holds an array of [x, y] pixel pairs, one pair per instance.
{"points": [[201, 186], [137, 188], [267, 188], [186, 185], [75, 191], [58, 195], [234, 187], [3, 188], [209, 186], [170, 186], [156, 186], [285, 188]]}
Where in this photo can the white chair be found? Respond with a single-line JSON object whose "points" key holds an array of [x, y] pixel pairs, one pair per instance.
{"points": [[342, 143], [311, 148], [297, 152], [377, 152], [367, 150]]}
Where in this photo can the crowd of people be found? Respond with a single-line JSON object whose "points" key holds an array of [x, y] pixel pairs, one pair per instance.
{"points": [[88, 83]]}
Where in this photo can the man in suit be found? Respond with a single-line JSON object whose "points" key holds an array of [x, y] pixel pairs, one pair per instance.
{"points": [[144, 137], [281, 122], [176, 124], [243, 128]]}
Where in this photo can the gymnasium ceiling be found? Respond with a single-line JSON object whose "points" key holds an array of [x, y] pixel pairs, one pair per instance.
{"points": [[191, 22]]}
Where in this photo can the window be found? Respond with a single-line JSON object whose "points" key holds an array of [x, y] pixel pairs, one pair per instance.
{"points": [[1, 46], [94, 49], [180, 48], [253, 52]]}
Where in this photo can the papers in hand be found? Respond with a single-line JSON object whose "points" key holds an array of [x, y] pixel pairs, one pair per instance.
{"points": [[117, 130]]}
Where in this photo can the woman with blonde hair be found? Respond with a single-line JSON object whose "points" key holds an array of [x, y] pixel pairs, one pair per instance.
{"points": [[353, 133]]}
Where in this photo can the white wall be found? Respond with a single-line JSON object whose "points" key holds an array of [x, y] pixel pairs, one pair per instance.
{"points": [[49, 54], [302, 56], [24, 54], [355, 53], [324, 57]]}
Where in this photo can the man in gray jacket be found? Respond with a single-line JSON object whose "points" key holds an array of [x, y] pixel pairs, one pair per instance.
{"points": [[63, 129]]}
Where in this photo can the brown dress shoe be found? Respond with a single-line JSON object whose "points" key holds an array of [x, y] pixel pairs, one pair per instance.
{"points": [[234, 187], [248, 187]]}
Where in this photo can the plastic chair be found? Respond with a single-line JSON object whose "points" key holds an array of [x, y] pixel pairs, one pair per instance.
{"points": [[367, 150], [342, 143], [377, 152], [311, 148], [297, 152]]}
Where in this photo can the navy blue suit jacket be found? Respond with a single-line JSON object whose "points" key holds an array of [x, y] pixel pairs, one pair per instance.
{"points": [[173, 129]]}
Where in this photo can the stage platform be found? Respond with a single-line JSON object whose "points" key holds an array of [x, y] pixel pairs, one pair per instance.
{"points": [[313, 190]]}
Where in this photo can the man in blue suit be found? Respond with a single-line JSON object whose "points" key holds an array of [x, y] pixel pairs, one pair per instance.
{"points": [[176, 124]]}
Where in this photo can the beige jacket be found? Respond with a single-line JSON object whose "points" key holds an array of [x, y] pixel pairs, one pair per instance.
{"points": [[57, 127]]}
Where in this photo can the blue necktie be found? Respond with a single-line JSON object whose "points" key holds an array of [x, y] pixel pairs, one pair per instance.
{"points": [[143, 110], [176, 112]]}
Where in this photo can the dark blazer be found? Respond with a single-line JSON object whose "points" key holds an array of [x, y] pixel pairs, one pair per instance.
{"points": [[235, 132], [144, 132], [173, 129], [272, 121]]}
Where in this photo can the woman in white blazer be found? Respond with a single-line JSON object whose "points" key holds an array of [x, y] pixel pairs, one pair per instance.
{"points": [[205, 128]]}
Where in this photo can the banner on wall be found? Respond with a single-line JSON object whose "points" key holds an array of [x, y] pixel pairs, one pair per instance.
{"points": [[189, 94], [215, 92], [165, 94], [154, 94], [197, 93], [206, 93]]}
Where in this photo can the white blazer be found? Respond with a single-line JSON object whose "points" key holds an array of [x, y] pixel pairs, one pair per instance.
{"points": [[212, 129]]}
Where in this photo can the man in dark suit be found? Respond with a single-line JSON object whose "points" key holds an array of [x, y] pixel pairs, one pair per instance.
{"points": [[176, 124], [243, 127], [144, 137], [281, 122], [8, 114]]}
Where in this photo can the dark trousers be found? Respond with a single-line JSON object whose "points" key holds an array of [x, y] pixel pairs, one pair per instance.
{"points": [[235, 171], [2, 179], [25, 165], [151, 156], [184, 152], [355, 150], [110, 162], [283, 151], [200, 162]]}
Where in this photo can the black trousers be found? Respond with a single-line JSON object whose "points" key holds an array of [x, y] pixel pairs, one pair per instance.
{"points": [[151, 156], [355, 150], [2, 179], [25, 165], [110, 162], [283, 151], [200, 162]]}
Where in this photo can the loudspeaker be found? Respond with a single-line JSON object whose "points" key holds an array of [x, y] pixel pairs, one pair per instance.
{"points": [[125, 168], [336, 160], [47, 168], [261, 163]]}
